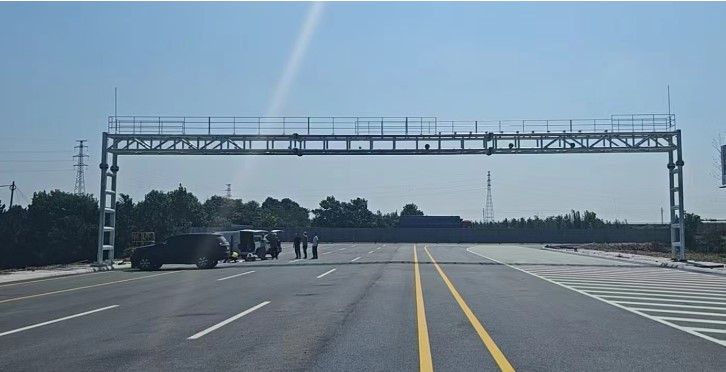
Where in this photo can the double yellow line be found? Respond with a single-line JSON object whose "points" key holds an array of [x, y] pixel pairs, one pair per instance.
{"points": [[425, 361]]}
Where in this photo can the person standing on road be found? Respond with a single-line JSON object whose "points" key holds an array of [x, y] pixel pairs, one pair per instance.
{"points": [[305, 244], [315, 247], [296, 245]]}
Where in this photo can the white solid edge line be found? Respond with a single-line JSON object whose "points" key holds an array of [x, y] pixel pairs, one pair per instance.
{"points": [[325, 273], [355, 259], [234, 276], [327, 252], [84, 287], [61, 276], [295, 260], [227, 321], [684, 329], [56, 320], [341, 249]]}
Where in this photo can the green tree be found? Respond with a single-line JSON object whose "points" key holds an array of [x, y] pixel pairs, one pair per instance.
{"points": [[124, 224], [284, 213], [61, 227], [168, 214], [411, 210], [692, 223]]}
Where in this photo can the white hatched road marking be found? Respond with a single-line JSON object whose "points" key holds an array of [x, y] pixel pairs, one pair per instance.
{"points": [[227, 321], [637, 289], [678, 311], [56, 320], [371, 251], [327, 252], [355, 259], [325, 273], [237, 275], [341, 249], [655, 292], [638, 285]]}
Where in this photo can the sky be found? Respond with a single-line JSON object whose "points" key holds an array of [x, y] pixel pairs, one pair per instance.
{"points": [[463, 61]]}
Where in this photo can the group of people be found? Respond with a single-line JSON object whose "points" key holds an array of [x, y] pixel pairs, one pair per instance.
{"points": [[304, 241]]}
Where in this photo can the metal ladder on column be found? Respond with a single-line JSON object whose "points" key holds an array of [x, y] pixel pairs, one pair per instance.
{"points": [[107, 207], [677, 212]]}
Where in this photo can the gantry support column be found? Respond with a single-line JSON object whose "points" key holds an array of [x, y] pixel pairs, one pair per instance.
{"points": [[106, 206], [677, 211]]}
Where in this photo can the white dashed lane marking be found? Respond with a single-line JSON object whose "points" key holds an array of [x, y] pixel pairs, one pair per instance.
{"points": [[56, 320], [325, 273], [226, 321], [237, 275]]}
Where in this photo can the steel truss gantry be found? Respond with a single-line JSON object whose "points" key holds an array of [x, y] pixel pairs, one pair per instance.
{"points": [[156, 135]]}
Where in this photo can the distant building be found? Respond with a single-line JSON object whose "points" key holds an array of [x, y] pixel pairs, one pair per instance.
{"points": [[430, 221]]}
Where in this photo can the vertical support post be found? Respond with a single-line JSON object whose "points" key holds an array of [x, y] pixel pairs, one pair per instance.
{"points": [[102, 197], [112, 218], [308, 125], [406, 125], [209, 125], [677, 210], [12, 194]]}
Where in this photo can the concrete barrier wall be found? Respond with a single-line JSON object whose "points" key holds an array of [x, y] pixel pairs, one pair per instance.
{"points": [[468, 235]]}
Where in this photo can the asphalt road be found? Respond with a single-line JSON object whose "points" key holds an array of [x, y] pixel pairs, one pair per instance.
{"points": [[374, 307]]}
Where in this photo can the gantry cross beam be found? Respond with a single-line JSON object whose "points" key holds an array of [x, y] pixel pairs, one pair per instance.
{"points": [[300, 136]]}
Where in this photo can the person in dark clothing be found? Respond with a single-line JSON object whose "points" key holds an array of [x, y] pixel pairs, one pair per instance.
{"points": [[296, 245], [305, 244]]}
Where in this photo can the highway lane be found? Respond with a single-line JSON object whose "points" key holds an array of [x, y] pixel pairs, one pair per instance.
{"points": [[283, 315]]}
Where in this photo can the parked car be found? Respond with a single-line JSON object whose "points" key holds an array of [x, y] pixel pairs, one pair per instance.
{"points": [[204, 250]]}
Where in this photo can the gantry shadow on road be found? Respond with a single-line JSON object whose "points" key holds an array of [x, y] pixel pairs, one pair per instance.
{"points": [[402, 262]]}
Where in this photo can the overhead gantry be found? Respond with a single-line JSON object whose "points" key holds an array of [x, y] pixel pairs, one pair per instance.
{"points": [[299, 136]]}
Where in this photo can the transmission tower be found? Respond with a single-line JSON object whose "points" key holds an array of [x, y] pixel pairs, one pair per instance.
{"points": [[80, 166], [489, 208], [228, 190]]}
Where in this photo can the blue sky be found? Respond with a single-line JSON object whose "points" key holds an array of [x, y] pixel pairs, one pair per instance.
{"points": [[60, 63]]}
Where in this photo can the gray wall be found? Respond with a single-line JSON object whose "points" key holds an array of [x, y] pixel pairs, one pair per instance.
{"points": [[468, 235]]}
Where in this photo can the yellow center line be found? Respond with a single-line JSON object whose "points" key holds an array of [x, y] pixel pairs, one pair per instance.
{"points": [[494, 350], [83, 287], [424, 349]]}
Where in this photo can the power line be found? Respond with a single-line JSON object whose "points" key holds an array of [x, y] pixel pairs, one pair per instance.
{"points": [[80, 187]]}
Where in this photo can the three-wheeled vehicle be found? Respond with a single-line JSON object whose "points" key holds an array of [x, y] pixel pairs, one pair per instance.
{"points": [[252, 244]]}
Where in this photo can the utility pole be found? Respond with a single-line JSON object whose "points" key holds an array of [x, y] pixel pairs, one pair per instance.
{"points": [[661, 215], [489, 207], [12, 193], [229, 190], [80, 187]]}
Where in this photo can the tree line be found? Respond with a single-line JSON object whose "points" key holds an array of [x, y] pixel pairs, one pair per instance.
{"points": [[59, 227], [572, 220]]}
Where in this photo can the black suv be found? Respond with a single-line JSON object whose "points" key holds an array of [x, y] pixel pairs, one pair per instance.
{"points": [[204, 250]]}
